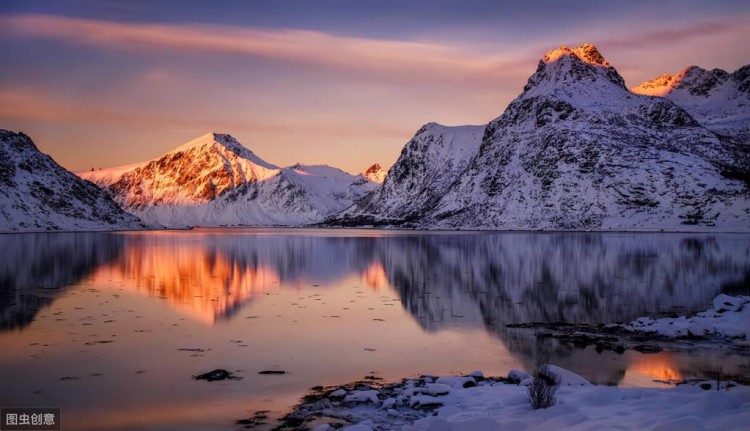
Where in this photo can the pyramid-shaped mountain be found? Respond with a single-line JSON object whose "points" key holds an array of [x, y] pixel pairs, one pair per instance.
{"points": [[215, 181]]}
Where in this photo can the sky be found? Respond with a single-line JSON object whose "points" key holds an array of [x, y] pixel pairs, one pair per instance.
{"points": [[345, 83]]}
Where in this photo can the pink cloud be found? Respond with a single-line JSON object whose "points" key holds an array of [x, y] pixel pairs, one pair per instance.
{"points": [[27, 104]]}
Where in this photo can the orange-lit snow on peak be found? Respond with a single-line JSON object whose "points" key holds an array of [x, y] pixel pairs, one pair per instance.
{"points": [[586, 53], [375, 276], [375, 173], [207, 139], [203, 284], [662, 85]]}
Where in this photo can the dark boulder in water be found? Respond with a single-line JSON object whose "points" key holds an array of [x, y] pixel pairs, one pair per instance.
{"points": [[272, 372], [217, 374]]}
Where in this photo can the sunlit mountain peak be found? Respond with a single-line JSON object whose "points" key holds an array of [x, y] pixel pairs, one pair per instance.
{"points": [[375, 173], [694, 79], [586, 53], [222, 142], [658, 86], [578, 67]]}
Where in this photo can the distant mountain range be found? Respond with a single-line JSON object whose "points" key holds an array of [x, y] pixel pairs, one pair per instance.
{"points": [[576, 150]]}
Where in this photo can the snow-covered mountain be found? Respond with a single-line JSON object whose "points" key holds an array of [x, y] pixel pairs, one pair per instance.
{"points": [[428, 165], [577, 150], [718, 99], [213, 180], [37, 194], [375, 173]]}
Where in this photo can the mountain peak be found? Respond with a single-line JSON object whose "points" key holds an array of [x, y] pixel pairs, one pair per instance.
{"points": [[226, 141], [566, 67], [586, 53], [693, 79], [659, 86], [375, 173]]}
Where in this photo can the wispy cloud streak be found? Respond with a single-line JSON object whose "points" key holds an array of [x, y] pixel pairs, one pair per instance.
{"points": [[373, 57], [672, 35]]}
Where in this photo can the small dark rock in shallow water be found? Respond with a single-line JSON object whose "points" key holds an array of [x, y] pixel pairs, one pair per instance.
{"points": [[197, 349], [647, 348], [259, 418], [217, 374], [272, 372]]}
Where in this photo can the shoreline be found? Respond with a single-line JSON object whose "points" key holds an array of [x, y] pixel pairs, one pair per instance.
{"points": [[393, 229], [478, 403]]}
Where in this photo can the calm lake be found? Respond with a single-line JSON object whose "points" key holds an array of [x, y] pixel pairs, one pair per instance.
{"points": [[111, 327]]}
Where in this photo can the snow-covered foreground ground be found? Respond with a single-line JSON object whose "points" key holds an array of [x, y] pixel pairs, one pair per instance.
{"points": [[473, 403], [444, 404]]}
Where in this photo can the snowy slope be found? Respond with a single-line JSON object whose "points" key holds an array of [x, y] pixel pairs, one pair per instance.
{"points": [[428, 165], [577, 150], [37, 194], [717, 99], [467, 403], [214, 180]]}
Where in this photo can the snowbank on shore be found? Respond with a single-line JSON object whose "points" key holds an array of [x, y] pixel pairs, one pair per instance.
{"points": [[729, 317], [466, 403]]}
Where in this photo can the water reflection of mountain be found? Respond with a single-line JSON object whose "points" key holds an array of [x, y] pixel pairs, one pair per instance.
{"points": [[487, 279], [34, 268], [444, 280], [581, 278], [212, 276], [572, 277]]}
